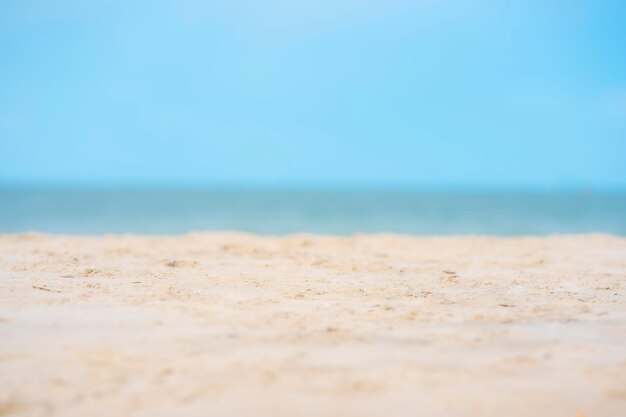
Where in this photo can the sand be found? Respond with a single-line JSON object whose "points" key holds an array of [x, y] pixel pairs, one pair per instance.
{"points": [[239, 325]]}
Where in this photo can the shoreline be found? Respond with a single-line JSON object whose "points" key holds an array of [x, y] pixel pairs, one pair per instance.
{"points": [[364, 325]]}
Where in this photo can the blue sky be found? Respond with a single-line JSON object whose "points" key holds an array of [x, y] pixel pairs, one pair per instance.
{"points": [[418, 93]]}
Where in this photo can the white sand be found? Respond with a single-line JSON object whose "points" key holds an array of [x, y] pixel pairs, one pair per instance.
{"points": [[237, 325]]}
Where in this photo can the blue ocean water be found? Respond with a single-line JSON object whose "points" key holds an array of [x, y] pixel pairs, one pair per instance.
{"points": [[276, 212]]}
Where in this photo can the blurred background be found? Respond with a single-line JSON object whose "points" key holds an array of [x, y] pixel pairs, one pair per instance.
{"points": [[421, 117]]}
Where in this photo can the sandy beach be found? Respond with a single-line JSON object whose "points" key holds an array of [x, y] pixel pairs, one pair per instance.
{"points": [[222, 324]]}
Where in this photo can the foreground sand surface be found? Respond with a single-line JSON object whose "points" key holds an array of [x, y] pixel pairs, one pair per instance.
{"points": [[239, 325]]}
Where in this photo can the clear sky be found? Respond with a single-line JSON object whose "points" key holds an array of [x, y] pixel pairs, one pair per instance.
{"points": [[323, 92]]}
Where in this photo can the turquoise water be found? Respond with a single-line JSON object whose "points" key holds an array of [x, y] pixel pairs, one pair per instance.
{"points": [[170, 211]]}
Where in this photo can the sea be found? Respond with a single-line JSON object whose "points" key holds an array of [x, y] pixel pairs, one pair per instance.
{"points": [[166, 211]]}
